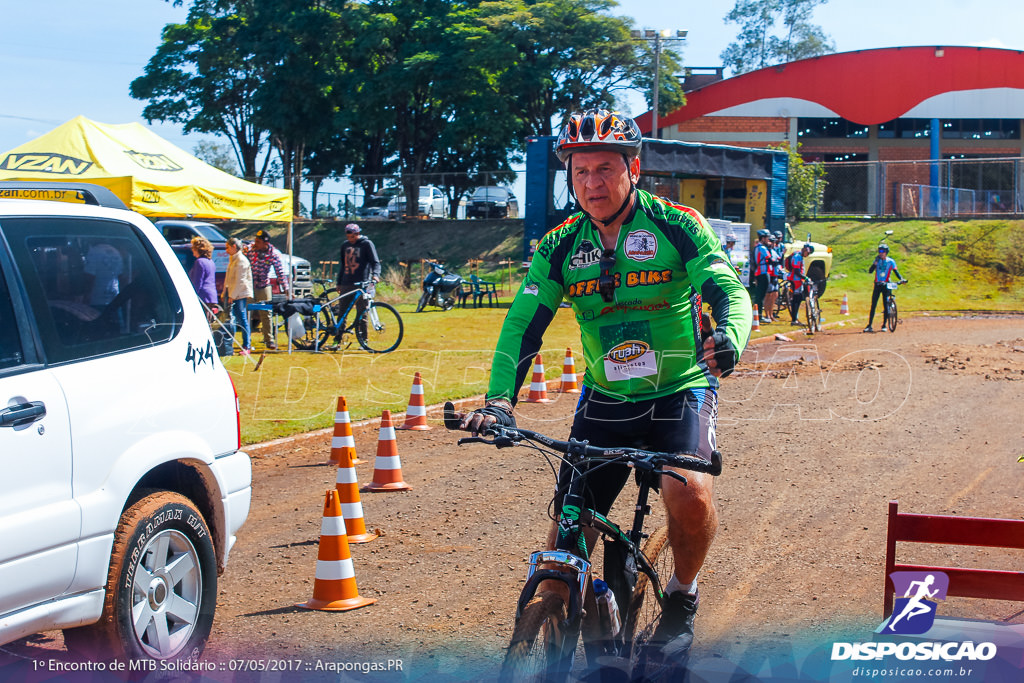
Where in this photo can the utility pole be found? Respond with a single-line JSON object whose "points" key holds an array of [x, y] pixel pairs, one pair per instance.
{"points": [[658, 36]]}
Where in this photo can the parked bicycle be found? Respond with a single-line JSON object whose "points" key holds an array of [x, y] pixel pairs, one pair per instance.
{"points": [[548, 627], [811, 306], [892, 317], [378, 328], [784, 299]]}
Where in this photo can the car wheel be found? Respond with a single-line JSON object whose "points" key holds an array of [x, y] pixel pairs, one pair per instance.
{"points": [[161, 587]]}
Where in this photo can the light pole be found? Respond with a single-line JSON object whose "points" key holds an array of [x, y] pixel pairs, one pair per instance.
{"points": [[657, 36]]}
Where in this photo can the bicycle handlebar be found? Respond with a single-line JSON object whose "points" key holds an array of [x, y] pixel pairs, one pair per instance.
{"points": [[505, 437]]}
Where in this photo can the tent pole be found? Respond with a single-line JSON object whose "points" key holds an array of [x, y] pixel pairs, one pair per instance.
{"points": [[291, 277]]}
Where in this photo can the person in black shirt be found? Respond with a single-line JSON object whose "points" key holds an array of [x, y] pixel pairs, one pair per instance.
{"points": [[360, 265]]}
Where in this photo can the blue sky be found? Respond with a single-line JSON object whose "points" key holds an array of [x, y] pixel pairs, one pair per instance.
{"points": [[62, 58]]}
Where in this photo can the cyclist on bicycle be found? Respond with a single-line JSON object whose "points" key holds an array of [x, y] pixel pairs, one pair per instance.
{"points": [[651, 376], [796, 275], [360, 265], [883, 267]]}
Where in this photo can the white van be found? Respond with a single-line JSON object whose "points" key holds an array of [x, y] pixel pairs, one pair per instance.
{"points": [[124, 482]]}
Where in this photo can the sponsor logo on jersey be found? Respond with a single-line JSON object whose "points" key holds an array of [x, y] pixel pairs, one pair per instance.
{"points": [[153, 162], [45, 162], [531, 289], [628, 351], [641, 245], [586, 254]]}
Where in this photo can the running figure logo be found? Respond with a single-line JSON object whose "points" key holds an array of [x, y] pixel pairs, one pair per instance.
{"points": [[914, 613]]}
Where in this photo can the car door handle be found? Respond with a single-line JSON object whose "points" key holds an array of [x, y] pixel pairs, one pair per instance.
{"points": [[22, 414]]}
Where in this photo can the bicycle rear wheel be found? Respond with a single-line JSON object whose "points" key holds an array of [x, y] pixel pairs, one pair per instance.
{"points": [[893, 314], [379, 329], [644, 611], [537, 650]]}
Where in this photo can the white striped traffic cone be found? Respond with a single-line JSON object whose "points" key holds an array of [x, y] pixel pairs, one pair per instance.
{"points": [[538, 387], [756, 327], [416, 413], [343, 446], [387, 468], [569, 385], [334, 588], [351, 505], [844, 308]]}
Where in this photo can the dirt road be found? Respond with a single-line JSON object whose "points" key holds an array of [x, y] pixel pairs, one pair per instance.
{"points": [[817, 434]]}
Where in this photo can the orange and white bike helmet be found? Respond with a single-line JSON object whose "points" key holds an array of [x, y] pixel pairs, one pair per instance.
{"points": [[596, 129]]}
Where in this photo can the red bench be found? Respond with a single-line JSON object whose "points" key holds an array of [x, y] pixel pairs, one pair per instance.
{"points": [[966, 531]]}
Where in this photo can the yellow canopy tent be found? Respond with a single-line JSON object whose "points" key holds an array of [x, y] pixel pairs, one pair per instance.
{"points": [[149, 174]]}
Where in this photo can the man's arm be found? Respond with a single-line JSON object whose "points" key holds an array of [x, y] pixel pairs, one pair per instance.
{"points": [[282, 273], [374, 260]]}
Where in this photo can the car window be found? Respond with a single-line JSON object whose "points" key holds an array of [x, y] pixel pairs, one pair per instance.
{"points": [[95, 286], [11, 352], [211, 233], [176, 233]]}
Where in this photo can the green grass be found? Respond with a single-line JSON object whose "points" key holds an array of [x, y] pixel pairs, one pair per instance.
{"points": [[952, 266], [452, 350]]}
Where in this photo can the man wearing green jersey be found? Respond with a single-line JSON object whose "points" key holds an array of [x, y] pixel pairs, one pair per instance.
{"points": [[634, 267]]}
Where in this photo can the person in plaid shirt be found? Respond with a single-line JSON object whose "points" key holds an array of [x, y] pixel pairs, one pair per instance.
{"points": [[262, 255]]}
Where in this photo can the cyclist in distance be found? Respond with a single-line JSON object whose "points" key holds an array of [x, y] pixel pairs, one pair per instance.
{"points": [[796, 275], [883, 267], [762, 273], [359, 265], [652, 376]]}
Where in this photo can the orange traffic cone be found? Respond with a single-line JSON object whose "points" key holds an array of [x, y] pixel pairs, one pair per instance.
{"points": [[538, 387], [343, 446], [387, 468], [844, 308], [756, 327], [351, 505], [334, 588], [416, 413], [569, 385]]}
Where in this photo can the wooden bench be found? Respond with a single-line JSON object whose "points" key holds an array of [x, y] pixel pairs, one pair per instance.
{"points": [[966, 531]]}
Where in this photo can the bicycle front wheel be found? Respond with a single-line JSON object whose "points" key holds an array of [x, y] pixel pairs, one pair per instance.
{"points": [[537, 651], [423, 301], [379, 329], [893, 314], [644, 611]]}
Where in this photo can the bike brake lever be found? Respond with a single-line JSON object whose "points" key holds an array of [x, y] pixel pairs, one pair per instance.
{"points": [[674, 475], [499, 441]]}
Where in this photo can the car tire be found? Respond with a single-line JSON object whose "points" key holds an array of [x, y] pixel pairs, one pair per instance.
{"points": [[161, 589]]}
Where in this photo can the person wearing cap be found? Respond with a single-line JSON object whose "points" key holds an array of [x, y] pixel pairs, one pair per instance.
{"points": [[359, 265], [730, 244], [796, 275], [262, 257], [633, 267], [762, 273], [883, 267]]}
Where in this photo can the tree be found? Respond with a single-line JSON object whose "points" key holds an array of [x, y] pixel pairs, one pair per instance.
{"points": [[203, 77], [805, 186], [762, 42], [217, 155]]}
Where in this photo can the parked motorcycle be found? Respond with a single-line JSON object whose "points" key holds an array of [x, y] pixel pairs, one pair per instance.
{"points": [[440, 288]]}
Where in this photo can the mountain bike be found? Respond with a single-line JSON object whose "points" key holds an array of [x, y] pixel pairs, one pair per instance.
{"points": [[812, 308], [378, 328], [891, 317], [785, 298], [548, 627]]}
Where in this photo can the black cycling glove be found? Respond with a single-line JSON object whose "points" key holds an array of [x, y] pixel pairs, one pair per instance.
{"points": [[725, 352], [504, 417]]}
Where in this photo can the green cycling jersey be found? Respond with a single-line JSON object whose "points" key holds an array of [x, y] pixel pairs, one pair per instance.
{"points": [[644, 343]]}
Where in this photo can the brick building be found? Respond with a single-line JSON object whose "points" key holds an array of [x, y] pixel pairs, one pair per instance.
{"points": [[886, 105]]}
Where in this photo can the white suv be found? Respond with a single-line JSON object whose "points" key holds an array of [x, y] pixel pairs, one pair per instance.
{"points": [[123, 478]]}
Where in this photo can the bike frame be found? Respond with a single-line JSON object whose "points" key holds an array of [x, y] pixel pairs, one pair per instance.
{"points": [[569, 562]]}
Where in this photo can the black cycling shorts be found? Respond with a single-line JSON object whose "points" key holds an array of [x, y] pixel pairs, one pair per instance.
{"points": [[682, 423]]}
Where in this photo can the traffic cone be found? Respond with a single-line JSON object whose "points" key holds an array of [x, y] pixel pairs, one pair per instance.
{"points": [[343, 446], [756, 327], [351, 505], [569, 385], [387, 468], [538, 387], [334, 588], [844, 308], [416, 413]]}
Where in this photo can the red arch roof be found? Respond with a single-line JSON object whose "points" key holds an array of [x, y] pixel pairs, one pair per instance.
{"points": [[865, 86]]}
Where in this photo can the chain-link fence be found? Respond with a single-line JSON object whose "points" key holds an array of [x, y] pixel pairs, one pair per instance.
{"points": [[936, 189]]}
